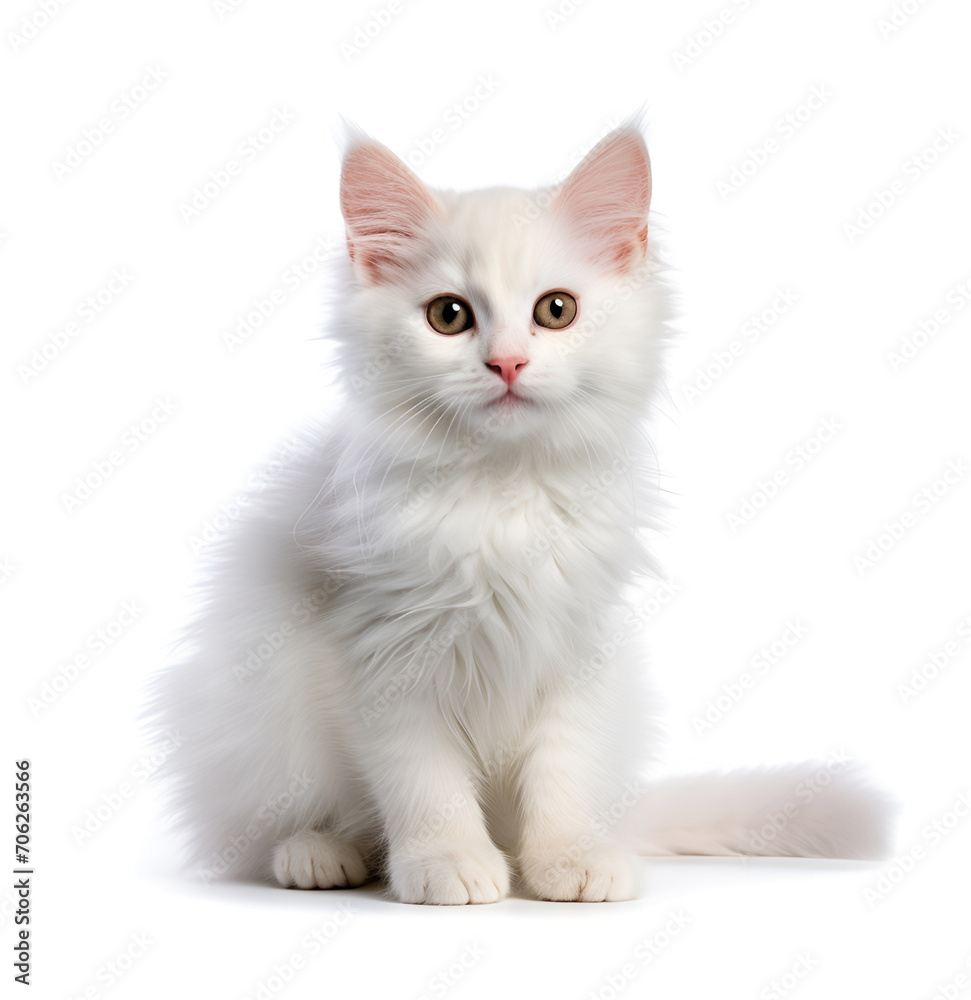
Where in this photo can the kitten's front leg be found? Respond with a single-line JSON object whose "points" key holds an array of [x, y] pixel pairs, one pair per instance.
{"points": [[439, 850], [562, 856]]}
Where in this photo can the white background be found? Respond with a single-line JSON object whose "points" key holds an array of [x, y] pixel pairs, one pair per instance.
{"points": [[548, 88]]}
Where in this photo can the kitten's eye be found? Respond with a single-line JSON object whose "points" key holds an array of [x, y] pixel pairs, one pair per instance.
{"points": [[448, 314], [555, 310]]}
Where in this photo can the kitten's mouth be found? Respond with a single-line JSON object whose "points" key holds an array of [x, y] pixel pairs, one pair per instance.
{"points": [[509, 400]]}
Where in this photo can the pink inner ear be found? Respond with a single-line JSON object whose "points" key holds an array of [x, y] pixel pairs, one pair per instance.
{"points": [[385, 207], [607, 197]]}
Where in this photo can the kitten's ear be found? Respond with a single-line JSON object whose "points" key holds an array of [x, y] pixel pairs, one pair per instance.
{"points": [[607, 196], [384, 204]]}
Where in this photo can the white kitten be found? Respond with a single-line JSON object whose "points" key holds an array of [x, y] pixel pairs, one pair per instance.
{"points": [[417, 646]]}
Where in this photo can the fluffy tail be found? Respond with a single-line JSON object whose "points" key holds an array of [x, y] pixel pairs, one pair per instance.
{"points": [[809, 810]]}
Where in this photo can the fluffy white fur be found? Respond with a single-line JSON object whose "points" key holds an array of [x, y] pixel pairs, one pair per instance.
{"points": [[400, 668]]}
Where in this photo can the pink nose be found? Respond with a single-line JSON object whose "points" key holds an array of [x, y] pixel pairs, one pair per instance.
{"points": [[507, 369]]}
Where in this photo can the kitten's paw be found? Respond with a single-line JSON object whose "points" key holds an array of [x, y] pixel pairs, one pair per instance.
{"points": [[449, 875], [602, 873], [311, 860]]}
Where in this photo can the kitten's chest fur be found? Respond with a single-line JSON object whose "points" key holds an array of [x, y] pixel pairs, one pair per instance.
{"points": [[528, 530], [510, 574]]}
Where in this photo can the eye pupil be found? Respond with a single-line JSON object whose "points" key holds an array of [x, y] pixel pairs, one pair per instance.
{"points": [[556, 308]]}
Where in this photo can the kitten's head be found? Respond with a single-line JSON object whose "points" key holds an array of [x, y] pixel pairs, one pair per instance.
{"points": [[504, 314]]}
